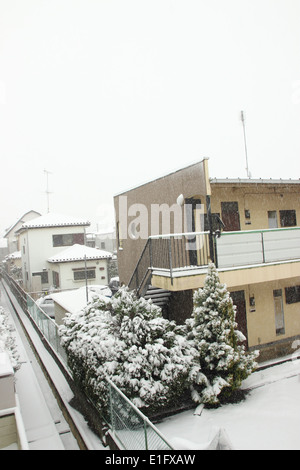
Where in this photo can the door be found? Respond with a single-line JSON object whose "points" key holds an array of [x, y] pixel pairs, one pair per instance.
{"points": [[239, 301], [230, 216], [272, 219], [193, 210], [279, 312]]}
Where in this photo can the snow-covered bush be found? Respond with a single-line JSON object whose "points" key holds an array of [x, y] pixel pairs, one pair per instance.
{"points": [[126, 339], [7, 340], [213, 330]]}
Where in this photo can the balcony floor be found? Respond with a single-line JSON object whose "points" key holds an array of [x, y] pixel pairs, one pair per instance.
{"points": [[193, 277]]}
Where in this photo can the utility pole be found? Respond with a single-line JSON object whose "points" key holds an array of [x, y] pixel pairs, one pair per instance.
{"points": [[245, 142], [47, 189]]}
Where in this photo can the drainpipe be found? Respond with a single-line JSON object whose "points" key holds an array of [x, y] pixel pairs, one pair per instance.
{"points": [[210, 228]]}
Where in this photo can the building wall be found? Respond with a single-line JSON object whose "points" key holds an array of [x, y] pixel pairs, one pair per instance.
{"points": [[258, 199], [189, 182], [66, 273]]}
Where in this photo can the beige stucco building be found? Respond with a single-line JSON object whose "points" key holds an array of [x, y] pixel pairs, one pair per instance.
{"points": [[257, 254]]}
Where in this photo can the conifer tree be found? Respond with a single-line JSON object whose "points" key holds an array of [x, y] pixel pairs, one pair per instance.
{"points": [[221, 354]]}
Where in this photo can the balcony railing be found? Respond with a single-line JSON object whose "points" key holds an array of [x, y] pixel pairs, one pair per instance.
{"points": [[258, 247], [174, 254]]}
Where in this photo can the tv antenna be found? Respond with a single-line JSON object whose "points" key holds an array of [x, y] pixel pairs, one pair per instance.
{"points": [[245, 143], [47, 189]]}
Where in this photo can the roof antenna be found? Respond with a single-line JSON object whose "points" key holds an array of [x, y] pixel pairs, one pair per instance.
{"points": [[47, 189], [245, 142]]}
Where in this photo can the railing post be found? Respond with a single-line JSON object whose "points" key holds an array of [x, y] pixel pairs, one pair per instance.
{"points": [[146, 437], [170, 260], [263, 247]]}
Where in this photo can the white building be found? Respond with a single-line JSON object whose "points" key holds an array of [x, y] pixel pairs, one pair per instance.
{"points": [[78, 265], [42, 238]]}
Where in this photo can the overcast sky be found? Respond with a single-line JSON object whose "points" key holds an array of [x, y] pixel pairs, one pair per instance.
{"points": [[107, 94]]}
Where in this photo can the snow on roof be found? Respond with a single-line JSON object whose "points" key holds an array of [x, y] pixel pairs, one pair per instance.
{"points": [[253, 181], [15, 255], [79, 253], [75, 300], [54, 220], [19, 221]]}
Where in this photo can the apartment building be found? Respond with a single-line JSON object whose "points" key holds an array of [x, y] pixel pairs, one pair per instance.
{"points": [[169, 229]]}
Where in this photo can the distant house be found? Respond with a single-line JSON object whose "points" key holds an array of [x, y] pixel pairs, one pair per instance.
{"points": [[42, 238], [73, 301], [78, 265], [105, 240], [11, 234]]}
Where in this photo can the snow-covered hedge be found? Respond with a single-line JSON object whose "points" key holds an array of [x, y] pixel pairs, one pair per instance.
{"points": [[7, 340], [126, 339], [153, 360]]}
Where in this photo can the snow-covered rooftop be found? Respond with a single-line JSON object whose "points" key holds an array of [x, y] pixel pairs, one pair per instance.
{"points": [[79, 253], [55, 220], [15, 255], [75, 300]]}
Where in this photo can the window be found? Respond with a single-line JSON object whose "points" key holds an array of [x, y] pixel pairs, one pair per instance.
{"points": [[288, 218], [279, 312], [44, 276], [272, 219], [79, 274], [230, 216], [68, 239], [292, 294], [55, 277]]}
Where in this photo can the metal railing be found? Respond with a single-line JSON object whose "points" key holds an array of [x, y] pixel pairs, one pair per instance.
{"points": [[169, 253], [254, 247], [178, 252], [131, 428]]}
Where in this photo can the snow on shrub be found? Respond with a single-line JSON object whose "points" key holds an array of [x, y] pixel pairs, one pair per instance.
{"points": [[7, 340], [126, 339], [223, 360]]}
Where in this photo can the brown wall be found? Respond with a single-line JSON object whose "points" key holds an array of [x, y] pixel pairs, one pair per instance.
{"points": [[190, 182]]}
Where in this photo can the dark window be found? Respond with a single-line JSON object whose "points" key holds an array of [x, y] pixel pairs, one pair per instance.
{"points": [[44, 276], [80, 274], [230, 216], [68, 239], [55, 277], [288, 218], [292, 294]]}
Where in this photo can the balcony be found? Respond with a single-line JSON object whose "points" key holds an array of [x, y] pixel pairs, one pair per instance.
{"points": [[179, 261]]}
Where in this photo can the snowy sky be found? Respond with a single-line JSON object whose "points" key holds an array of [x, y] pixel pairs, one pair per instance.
{"points": [[107, 94]]}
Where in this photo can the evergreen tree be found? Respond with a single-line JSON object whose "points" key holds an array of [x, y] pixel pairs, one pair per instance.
{"points": [[213, 330]]}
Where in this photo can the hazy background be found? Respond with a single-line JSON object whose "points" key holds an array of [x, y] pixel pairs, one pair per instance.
{"points": [[107, 94]]}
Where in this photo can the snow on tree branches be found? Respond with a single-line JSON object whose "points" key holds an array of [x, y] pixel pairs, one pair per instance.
{"points": [[7, 340], [126, 339], [213, 331]]}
